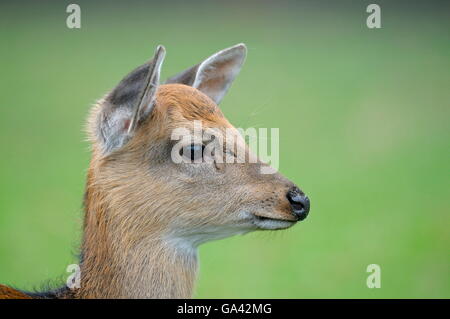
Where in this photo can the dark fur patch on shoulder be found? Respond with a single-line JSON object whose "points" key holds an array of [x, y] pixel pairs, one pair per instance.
{"points": [[59, 293]]}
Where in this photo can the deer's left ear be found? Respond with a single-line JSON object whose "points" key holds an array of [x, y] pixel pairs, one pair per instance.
{"points": [[214, 75], [129, 104]]}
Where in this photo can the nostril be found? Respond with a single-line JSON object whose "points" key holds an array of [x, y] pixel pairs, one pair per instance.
{"points": [[296, 202], [299, 203]]}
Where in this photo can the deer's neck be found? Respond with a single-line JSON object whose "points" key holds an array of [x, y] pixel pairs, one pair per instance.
{"points": [[118, 264]]}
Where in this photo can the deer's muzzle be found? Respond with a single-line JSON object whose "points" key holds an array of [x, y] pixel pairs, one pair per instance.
{"points": [[299, 203]]}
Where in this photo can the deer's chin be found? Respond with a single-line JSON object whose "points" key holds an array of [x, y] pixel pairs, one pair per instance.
{"points": [[265, 223]]}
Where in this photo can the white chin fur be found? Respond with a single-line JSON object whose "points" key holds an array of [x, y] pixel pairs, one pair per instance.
{"points": [[271, 224]]}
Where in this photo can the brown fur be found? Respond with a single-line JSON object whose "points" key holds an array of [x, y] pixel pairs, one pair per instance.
{"points": [[10, 293], [145, 215], [130, 207]]}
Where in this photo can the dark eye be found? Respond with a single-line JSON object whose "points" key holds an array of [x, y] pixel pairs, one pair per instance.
{"points": [[193, 152]]}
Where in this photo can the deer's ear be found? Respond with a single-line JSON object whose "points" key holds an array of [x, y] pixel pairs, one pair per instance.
{"points": [[129, 103], [214, 75]]}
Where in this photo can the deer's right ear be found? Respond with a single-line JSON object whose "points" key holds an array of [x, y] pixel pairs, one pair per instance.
{"points": [[129, 104], [215, 74]]}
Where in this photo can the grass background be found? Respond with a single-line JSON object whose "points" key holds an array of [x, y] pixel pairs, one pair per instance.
{"points": [[363, 117]]}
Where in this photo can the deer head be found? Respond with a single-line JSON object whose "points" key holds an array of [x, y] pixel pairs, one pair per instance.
{"points": [[137, 195]]}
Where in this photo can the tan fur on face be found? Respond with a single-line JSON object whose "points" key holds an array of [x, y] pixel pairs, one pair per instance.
{"points": [[145, 215]]}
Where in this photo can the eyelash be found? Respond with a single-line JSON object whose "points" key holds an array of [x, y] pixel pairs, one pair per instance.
{"points": [[191, 151], [195, 152]]}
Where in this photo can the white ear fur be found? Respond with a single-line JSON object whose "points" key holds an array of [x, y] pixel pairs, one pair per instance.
{"points": [[215, 74], [147, 98]]}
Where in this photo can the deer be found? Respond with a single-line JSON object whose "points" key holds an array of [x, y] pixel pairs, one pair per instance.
{"points": [[144, 215]]}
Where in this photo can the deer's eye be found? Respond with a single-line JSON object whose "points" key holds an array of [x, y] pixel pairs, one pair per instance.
{"points": [[193, 152]]}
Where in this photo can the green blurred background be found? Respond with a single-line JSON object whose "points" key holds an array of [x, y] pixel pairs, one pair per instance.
{"points": [[363, 117]]}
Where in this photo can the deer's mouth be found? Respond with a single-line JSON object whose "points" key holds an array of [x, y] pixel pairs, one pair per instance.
{"points": [[269, 223]]}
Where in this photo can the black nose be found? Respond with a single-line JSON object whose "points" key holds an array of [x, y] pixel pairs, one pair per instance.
{"points": [[299, 203]]}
